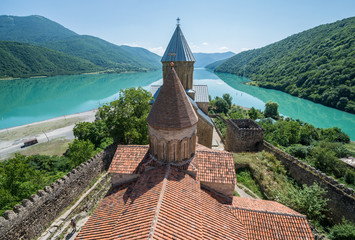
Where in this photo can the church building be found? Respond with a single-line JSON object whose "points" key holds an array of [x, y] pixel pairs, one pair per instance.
{"points": [[176, 188], [179, 52]]}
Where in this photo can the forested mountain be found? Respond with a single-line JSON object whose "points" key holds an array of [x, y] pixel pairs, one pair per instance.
{"points": [[41, 31], [25, 60], [105, 54], [144, 55], [31, 29], [203, 59], [215, 64], [317, 64]]}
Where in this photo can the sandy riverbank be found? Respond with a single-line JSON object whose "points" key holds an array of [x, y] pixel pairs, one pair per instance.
{"points": [[46, 132]]}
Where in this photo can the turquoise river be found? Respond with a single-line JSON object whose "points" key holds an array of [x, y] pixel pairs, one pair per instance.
{"points": [[25, 101]]}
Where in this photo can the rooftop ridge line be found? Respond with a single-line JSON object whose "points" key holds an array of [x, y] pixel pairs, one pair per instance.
{"points": [[276, 213], [157, 210]]}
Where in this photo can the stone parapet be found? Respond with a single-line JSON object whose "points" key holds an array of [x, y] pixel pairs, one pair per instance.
{"points": [[341, 199], [34, 215]]}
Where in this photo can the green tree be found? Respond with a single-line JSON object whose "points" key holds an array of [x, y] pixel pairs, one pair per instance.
{"points": [[253, 113], [80, 151], [96, 132], [324, 159], [271, 110], [221, 105], [343, 231], [308, 133], [334, 134], [126, 118], [308, 200], [228, 99]]}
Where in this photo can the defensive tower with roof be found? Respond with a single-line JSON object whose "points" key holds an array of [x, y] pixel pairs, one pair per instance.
{"points": [[179, 51], [172, 122]]}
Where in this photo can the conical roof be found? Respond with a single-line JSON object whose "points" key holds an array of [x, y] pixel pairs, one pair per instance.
{"points": [[172, 108], [178, 46]]}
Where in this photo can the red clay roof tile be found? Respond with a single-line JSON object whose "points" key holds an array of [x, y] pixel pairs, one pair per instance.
{"points": [[164, 203], [270, 220], [215, 166], [172, 108], [127, 158], [167, 203]]}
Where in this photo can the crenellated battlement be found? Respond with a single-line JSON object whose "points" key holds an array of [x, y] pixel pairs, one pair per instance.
{"points": [[243, 135], [34, 215]]}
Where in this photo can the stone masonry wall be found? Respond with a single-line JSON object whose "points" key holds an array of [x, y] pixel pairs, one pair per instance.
{"points": [[34, 215], [204, 133], [341, 199], [243, 135], [223, 188]]}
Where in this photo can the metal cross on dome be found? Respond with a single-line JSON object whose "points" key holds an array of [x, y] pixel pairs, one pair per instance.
{"points": [[178, 21], [172, 55]]}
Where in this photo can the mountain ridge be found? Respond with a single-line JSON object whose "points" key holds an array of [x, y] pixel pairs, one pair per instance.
{"points": [[204, 59], [19, 60], [40, 31], [316, 64]]}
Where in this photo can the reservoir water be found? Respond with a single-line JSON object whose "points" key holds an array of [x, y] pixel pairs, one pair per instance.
{"points": [[25, 101]]}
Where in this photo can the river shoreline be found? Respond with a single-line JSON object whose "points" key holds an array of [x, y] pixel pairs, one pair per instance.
{"points": [[51, 134], [87, 114]]}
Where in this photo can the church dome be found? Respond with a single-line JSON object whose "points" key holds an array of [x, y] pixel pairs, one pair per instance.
{"points": [[172, 123], [172, 108]]}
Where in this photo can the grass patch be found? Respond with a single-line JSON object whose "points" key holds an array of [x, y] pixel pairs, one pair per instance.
{"points": [[265, 170], [245, 177], [35, 129], [235, 193], [351, 148], [56, 146]]}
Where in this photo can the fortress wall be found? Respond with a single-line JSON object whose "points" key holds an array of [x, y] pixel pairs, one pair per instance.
{"points": [[243, 135], [34, 215], [341, 199]]}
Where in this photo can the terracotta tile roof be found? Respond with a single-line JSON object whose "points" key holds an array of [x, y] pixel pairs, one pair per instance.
{"points": [[127, 158], [135, 221], [212, 165], [270, 220], [218, 222], [215, 166], [164, 203], [103, 220], [262, 205], [180, 208], [172, 108]]}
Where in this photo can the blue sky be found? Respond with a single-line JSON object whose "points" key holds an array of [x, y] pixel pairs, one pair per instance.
{"points": [[208, 26]]}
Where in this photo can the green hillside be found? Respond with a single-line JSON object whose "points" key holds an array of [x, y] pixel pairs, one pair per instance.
{"points": [[41, 31], [215, 64], [204, 59], [103, 53], [31, 29], [317, 64], [145, 57], [20, 60]]}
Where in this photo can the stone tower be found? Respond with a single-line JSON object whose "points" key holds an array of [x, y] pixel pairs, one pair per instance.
{"points": [[172, 122], [179, 52]]}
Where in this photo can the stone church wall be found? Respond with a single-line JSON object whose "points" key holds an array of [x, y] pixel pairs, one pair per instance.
{"points": [[341, 199], [34, 215], [204, 133]]}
